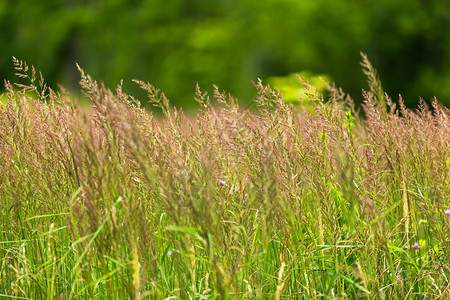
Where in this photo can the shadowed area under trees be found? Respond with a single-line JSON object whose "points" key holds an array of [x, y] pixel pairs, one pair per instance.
{"points": [[173, 44]]}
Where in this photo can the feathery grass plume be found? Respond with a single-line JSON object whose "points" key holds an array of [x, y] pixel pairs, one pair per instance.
{"points": [[23, 72], [275, 202], [374, 84]]}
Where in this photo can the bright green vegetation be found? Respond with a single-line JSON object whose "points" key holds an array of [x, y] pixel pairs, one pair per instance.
{"points": [[279, 201]]}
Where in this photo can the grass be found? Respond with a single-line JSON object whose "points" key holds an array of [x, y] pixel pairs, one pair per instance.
{"points": [[281, 201]]}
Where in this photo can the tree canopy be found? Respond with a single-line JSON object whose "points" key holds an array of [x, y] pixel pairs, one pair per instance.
{"points": [[174, 44]]}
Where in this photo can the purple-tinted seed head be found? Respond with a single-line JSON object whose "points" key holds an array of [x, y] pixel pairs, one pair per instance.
{"points": [[223, 183], [416, 246], [447, 212]]}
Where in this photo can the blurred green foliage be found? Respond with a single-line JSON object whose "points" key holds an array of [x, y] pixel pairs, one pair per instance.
{"points": [[173, 43], [295, 92]]}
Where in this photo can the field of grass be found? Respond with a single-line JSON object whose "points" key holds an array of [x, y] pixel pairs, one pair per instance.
{"points": [[277, 201]]}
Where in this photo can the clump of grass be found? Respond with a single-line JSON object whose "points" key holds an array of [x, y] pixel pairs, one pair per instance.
{"points": [[277, 202]]}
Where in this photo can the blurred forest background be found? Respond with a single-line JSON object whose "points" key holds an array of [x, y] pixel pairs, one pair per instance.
{"points": [[175, 43]]}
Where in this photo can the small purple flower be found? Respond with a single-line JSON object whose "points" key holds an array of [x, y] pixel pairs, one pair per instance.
{"points": [[447, 212], [169, 253], [223, 183], [416, 246]]}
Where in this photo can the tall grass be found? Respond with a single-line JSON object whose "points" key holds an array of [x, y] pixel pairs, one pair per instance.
{"points": [[282, 201]]}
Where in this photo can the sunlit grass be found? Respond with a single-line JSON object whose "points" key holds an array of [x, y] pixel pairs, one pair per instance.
{"points": [[281, 201]]}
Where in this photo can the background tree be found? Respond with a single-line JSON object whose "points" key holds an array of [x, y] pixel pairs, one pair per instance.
{"points": [[173, 44]]}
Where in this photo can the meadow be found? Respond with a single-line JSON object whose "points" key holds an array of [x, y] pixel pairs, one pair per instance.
{"points": [[312, 200]]}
